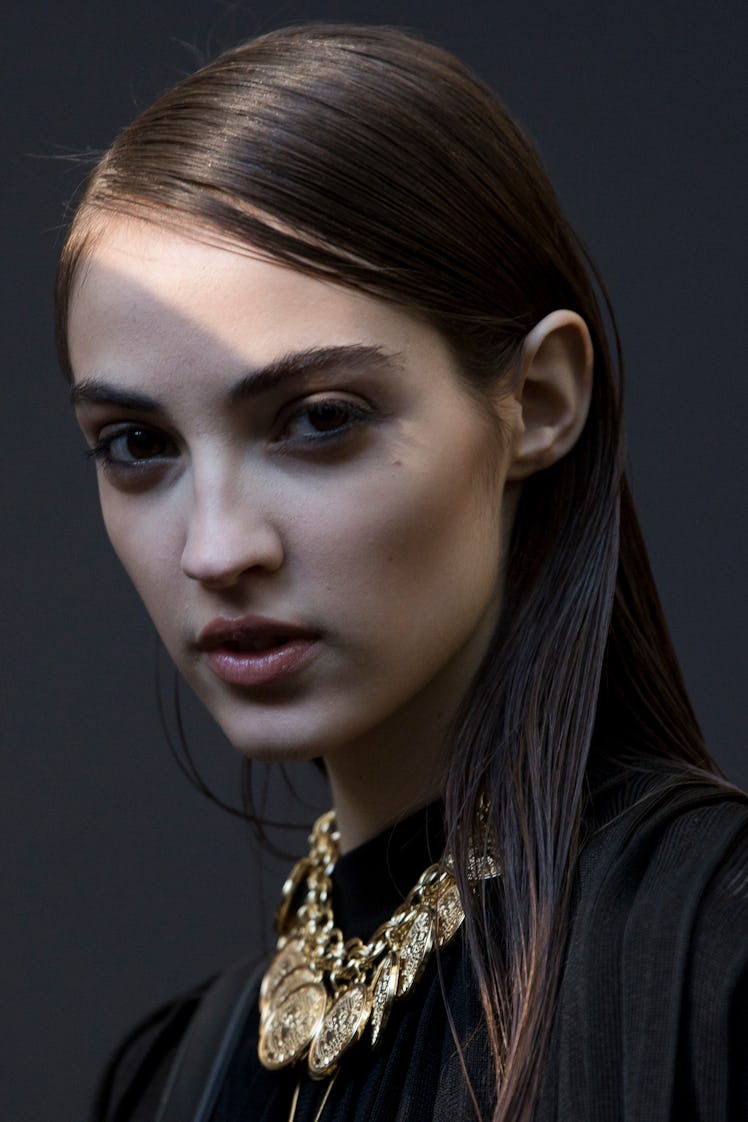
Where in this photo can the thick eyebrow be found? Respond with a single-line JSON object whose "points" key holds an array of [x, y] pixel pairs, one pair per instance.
{"points": [[96, 391], [300, 364], [319, 360]]}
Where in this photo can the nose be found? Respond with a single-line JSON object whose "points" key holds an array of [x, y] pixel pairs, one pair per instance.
{"points": [[228, 536]]}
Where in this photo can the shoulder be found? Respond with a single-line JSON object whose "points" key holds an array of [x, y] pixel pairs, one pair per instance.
{"points": [[180, 1050], [657, 963], [683, 836], [134, 1078], [673, 864]]}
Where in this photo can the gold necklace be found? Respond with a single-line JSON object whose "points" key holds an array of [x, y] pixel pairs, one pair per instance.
{"points": [[320, 993]]}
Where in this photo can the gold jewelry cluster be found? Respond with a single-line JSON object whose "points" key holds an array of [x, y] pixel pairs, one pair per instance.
{"points": [[320, 994]]}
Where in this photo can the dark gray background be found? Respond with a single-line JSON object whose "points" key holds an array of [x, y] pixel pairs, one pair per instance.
{"points": [[122, 884]]}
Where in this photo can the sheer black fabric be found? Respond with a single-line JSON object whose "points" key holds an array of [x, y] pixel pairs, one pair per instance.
{"points": [[652, 1016]]}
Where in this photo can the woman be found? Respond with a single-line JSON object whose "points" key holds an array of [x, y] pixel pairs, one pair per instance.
{"points": [[342, 366]]}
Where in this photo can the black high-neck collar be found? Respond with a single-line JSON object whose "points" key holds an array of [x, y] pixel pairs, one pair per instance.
{"points": [[371, 880]]}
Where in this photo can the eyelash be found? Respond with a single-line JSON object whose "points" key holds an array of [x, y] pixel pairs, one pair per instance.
{"points": [[101, 451], [355, 416]]}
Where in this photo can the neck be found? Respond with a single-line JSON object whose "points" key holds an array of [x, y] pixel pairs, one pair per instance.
{"points": [[400, 765], [377, 783]]}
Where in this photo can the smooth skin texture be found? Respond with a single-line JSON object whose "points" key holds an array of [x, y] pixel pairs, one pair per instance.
{"points": [[274, 444]]}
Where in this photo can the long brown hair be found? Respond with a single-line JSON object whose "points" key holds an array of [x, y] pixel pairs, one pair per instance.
{"points": [[373, 159]]}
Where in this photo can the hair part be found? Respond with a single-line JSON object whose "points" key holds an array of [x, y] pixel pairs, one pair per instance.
{"points": [[370, 158]]}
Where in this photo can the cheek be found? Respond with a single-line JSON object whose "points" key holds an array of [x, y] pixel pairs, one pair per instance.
{"points": [[415, 548], [146, 544]]}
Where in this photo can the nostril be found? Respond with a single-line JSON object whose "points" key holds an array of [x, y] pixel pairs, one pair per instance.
{"points": [[217, 561]]}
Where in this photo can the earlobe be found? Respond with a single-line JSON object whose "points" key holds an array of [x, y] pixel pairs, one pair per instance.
{"points": [[552, 389]]}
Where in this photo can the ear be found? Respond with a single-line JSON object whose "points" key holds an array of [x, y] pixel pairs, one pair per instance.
{"points": [[552, 390]]}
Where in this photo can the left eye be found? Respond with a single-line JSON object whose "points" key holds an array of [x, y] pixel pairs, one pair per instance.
{"points": [[320, 420], [132, 446]]}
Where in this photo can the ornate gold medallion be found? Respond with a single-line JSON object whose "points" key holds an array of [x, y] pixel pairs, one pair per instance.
{"points": [[287, 959], [301, 976], [449, 914], [288, 1030], [383, 993], [415, 949], [342, 1026]]}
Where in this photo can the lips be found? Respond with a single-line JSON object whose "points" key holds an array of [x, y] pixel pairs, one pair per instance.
{"points": [[254, 651]]}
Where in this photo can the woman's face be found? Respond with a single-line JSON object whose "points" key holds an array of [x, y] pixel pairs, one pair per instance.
{"points": [[310, 504]]}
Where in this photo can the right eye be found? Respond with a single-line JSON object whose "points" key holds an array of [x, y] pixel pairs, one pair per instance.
{"points": [[129, 447]]}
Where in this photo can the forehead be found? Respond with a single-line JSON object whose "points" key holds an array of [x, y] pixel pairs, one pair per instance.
{"points": [[142, 284]]}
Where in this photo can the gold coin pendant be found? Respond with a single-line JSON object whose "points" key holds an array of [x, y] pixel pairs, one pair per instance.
{"points": [[383, 992], [290, 1027], [288, 958], [449, 913], [301, 976], [341, 1027], [415, 949]]}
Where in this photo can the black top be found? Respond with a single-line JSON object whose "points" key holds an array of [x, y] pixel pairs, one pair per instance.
{"points": [[652, 1017]]}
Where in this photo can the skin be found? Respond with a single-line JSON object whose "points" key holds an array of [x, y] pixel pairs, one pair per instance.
{"points": [[385, 536]]}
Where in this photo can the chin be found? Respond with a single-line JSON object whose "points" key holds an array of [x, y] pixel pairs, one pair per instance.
{"points": [[268, 738]]}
